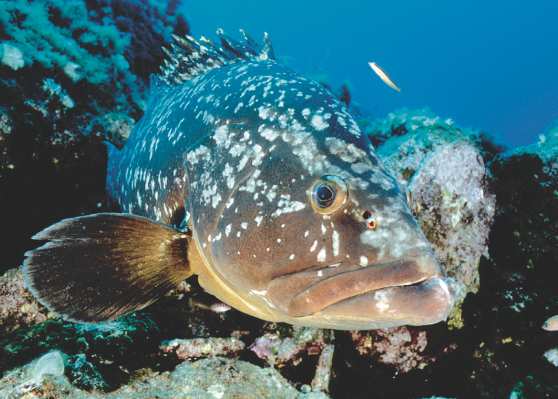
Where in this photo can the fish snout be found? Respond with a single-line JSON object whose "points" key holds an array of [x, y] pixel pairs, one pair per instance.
{"points": [[413, 291], [420, 304]]}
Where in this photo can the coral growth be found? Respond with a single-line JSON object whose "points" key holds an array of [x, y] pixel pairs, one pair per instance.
{"points": [[552, 356], [82, 79], [202, 347], [18, 306], [396, 345], [320, 383], [279, 348], [91, 40], [276, 350], [546, 149], [454, 205]]}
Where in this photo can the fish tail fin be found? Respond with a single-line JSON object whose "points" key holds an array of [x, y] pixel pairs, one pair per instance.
{"points": [[97, 268]]}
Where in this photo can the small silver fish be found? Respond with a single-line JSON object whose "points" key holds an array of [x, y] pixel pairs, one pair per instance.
{"points": [[384, 76], [551, 324], [209, 302]]}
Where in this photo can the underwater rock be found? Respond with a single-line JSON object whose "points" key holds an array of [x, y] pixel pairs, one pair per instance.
{"points": [[202, 347], [454, 205], [100, 54], [320, 383], [208, 378], [517, 292], [106, 349], [289, 347], [84, 375], [524, 239], [530, 388], [546, 149], [18, 307]]}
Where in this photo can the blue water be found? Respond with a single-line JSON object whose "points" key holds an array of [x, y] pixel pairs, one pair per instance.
{"points": [[488, 65]]}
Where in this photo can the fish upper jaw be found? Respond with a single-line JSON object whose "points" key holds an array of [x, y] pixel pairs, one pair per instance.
{"points": [[413, 291]]}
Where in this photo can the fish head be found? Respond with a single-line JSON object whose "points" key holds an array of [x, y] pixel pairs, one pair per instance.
{"points": [[303, 223]]}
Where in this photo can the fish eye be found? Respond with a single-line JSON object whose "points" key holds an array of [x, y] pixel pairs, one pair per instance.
{"points": [[328, 194]]}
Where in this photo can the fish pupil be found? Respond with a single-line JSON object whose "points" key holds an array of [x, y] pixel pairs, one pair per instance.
{"points": [[325, 195]]}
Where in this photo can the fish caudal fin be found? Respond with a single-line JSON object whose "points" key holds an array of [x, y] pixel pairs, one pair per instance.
{"points": [[97, 268]]}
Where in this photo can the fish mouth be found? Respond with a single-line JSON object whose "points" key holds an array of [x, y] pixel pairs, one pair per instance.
{"points": [[413, 291]]}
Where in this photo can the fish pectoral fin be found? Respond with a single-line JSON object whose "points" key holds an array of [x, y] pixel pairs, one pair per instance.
{"points": [[97, 268]]}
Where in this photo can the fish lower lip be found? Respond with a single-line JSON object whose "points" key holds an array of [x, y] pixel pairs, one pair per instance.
{"points": [[309, 292], [419, 304]]}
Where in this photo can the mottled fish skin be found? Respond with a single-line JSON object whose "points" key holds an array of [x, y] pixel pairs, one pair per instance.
{"points": [[239, 149]]}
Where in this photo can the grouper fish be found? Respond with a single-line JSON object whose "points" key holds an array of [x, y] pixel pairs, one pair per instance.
{"points": [[261, 183]]}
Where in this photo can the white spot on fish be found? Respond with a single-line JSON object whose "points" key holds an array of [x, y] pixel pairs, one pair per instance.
{"points": [[263, 112], [363, 260], [322, 255], [244, 225], [287, 206], [269, 134], [319, 123], [382, 300], [228, 229], [361, 167], [215, 200], [313, 248], [292, 256], [335, 239]]}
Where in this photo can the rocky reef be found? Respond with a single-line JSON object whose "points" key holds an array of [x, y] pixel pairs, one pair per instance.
{"points": [[207, 378], [445, 171], [73, 74]]}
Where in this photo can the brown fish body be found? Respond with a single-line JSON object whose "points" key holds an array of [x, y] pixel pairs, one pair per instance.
{"points": [[283, 209]]}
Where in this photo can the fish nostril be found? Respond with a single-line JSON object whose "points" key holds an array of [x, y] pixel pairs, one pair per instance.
{"points": [[369, 220]]}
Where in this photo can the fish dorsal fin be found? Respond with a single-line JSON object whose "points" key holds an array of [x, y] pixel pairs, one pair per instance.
{"points": [[190, 57]]}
